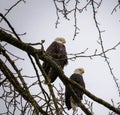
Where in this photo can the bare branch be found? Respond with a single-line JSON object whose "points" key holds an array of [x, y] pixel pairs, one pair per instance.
{"points": [[95, 54], [26, 95], [11, 8], [102, 46]]}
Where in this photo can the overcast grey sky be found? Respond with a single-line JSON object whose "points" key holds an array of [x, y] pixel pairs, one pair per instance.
{"points": [[37, 18]]}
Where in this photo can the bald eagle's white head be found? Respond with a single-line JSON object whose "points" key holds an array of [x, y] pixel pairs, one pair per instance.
{"points": [[60, 40], [79, 71]]}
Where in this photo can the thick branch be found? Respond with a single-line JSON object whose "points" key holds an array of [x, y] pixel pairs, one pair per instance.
{"points": [[25, 47], [19, 44]]}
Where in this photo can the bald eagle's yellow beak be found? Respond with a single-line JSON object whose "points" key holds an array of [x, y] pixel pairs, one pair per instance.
{"points": [[82, 71], [63, 41]]}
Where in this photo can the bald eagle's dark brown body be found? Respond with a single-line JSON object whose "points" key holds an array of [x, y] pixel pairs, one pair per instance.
{"points": [[58, 53], [79, 79]]}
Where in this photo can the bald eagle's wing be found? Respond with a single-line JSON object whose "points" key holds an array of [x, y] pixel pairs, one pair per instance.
{"points": [[79, 79], [58, 53]]}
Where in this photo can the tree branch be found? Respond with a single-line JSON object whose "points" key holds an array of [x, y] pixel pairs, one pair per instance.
{"points": [[102, 47], [32, 51]]}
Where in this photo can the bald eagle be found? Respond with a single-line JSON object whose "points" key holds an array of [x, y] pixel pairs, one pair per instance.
{"points": [[57, 51], [77, 77]]}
